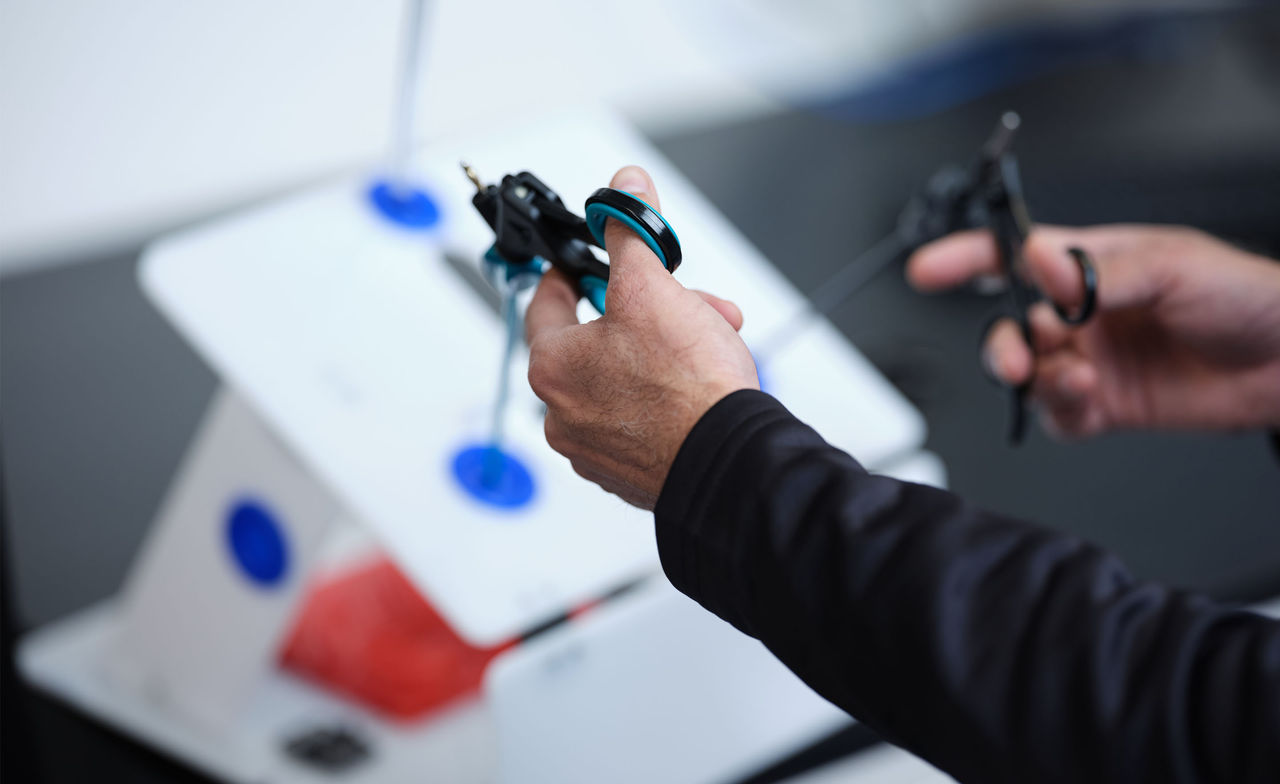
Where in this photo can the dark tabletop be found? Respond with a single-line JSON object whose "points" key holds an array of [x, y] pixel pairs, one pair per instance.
{"points": [[100, 396]]}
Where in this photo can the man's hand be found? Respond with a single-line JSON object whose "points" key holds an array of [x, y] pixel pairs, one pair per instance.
{"points": [[623, 391], [1187, 332]]}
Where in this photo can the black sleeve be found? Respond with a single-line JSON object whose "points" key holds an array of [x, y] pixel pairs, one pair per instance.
{"points": [[997, 650]]}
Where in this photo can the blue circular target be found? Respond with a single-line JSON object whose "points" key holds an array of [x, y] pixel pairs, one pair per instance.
{"points": [[493, 477], [257, 542], [411, 208]]}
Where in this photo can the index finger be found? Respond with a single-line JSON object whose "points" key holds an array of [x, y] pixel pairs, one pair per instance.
{"points": [[554, 306], [953, 260]]}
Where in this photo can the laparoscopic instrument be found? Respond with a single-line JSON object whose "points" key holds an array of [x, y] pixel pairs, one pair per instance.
{"points": [[534, 230], [989, 192]]}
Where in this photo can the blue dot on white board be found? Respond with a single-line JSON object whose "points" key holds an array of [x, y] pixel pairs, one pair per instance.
{"points": [[493, 477], [407, 207], [257, 542]]}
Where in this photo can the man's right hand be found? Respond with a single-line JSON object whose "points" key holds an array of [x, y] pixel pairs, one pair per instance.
{"points": [[1186, 335]]}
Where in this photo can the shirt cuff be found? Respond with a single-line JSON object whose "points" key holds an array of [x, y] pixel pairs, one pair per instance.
{"points": [[699, 541]]}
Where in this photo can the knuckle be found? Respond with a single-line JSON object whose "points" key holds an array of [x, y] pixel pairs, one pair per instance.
{"points": [[556, 434], [539, 376], [545, 369], [584, 472], [1180, 241]]}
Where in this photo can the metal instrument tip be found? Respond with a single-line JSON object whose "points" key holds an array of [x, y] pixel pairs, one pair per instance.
{"points": [[471, 175], [1001, 138]]}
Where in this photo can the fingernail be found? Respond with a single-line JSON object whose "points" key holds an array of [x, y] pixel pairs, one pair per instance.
{"points": [[632, 179]]}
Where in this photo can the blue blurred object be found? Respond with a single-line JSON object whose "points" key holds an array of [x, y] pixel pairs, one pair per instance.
{"points": [[406, 206], [257, 543], [493, 477]]}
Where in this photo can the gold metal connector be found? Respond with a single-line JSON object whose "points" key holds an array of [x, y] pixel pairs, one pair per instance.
{"points": [[471, 175]]}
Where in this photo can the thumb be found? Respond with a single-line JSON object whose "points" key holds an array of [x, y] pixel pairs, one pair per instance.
{"points": [[631, 262]]}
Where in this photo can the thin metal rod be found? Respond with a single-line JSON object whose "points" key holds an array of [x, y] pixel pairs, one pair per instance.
{"points": [[511, 317], [834, 291], [510, 290], [405, 120]]}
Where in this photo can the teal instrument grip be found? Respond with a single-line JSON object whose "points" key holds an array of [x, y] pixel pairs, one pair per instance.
{"points": [[598, 215], [510, 268], [593, 289]]}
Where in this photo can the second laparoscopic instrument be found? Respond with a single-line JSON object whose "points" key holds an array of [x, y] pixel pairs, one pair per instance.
{"points": [[990, 192], [986, 193]]}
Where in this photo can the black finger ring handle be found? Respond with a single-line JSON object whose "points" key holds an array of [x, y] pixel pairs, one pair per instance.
{"points": [[637, 215], [1088, 276]]}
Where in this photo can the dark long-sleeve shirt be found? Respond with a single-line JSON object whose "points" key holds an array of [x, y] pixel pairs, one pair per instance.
{"points": [[998, 650]]}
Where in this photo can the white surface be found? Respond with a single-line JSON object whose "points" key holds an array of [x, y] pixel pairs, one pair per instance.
{"points": [[118, 119], [1271, 608], [66, 659], [834, 389], [924, 468], [376, 364], [649, 687], [121, 119], [196, 634]]}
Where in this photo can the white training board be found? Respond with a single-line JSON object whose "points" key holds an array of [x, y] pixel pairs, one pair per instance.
{"points": [[375, 363]]}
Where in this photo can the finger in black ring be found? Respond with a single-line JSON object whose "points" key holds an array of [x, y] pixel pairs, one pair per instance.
{"points": [[1088, 276]]}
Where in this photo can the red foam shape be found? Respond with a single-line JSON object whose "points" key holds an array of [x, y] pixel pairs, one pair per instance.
{"points": [[370, 635]]}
